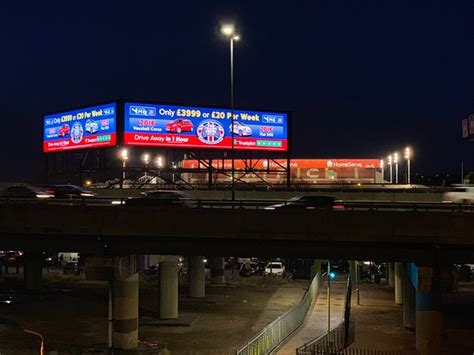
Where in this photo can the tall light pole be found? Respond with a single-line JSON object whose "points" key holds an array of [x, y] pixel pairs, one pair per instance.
{"points": [[124, 158], [146, 160], [407, 154], [228, 30], [382, 167], [395, 161], [389, 161]]}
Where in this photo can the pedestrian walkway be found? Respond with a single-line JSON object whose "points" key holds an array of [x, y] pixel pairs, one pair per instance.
{"points": [[316, 322]]}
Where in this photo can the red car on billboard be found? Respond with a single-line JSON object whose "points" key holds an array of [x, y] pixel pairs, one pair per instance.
{"points": [[179, 125], [63, 130]]}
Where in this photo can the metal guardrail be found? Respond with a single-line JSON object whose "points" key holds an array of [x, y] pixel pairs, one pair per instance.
{"points": [[338, 338], [249, 204], [276, 332]]}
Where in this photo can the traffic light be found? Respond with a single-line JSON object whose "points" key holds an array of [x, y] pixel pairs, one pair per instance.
{"points": [[332, 275]]}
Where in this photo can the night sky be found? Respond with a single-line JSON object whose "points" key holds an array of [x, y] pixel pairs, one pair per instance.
{"points": [[362, 78]]}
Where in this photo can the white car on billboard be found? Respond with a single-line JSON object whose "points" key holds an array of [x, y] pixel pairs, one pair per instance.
{"points": [[240, 129], [92, 126], [460, 194]]}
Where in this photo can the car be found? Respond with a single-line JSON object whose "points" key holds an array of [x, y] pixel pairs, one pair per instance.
{"points": [[168, 198], [240, 129], [460, 194], [13, 258], [72, 267], [25, 191], [310, 203], [248, 269], [179, 125], [275, 268], [92, 126], [69, 191], [63, 130]]}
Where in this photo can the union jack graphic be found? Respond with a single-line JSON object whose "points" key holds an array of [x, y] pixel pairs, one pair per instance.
{"points": [[210, 132]]}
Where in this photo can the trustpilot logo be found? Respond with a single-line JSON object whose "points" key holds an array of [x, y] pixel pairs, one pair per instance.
{"points": [[142, 111]]}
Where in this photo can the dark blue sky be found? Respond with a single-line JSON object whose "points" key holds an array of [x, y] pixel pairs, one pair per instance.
{"points": [[362, 78]]}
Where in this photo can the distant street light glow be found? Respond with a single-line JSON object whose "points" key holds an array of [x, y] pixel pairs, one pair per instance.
{"points": [[228, 30]]}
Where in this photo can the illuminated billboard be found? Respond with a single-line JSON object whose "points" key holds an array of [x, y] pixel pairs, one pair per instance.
{"points": [[90, 127], [198, 127]]}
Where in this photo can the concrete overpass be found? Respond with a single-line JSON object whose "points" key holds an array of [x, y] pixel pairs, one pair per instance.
{"points": [[119, 230], [430, 238]]}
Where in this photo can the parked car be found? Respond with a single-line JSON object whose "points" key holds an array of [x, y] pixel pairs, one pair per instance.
{"points": [[240, 129], [25, 191], [13, 258], [275, 268], [310, 203], [248, 269], [168, 198], [68, 191], [72, 267], [179, 125], [460, 194], [92, 126], [63, 130]]}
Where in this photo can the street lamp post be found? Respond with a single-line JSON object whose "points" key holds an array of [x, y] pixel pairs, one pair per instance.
{"points": [[407, 154], [146, 160], [228, 30], [395, 160], [124, 158], [389, 161], [382, 167], [39, 336]]}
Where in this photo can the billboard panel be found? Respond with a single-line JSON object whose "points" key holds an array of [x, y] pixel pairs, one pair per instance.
{"points": [[471, 125], [198, 127], [465, 128], [90, 127]]}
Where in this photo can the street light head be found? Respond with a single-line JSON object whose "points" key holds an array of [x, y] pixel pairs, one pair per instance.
{"points": [[389, 159], [407, 153], [228, 30], [395, 157], [159, 162], [124, 154], [146, 158], [236, 38]]}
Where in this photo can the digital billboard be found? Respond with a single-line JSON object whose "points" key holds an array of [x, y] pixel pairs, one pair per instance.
{"points": [[198, 127], [90, 127]]}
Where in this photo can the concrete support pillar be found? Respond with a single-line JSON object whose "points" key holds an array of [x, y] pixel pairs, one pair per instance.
{"points": [[352, 271], [125, 312], [197, 280], [398, 283], [408, 299], [33, 270], [169, 288], [217, 270], [428, 312], [391, 274]]}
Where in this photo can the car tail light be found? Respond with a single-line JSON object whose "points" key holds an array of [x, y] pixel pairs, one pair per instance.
{"points": [[338, 207]]}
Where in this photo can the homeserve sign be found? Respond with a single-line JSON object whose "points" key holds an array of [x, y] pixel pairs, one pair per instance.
{"points": [[148, 111]]}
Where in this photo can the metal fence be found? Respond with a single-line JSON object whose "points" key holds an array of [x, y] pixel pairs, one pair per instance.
{"points": [[338, 338], [276, 332]]}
